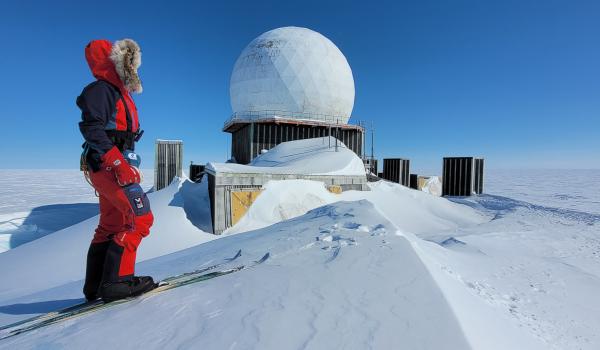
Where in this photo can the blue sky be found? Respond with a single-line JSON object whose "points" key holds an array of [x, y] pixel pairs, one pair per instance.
{"points": [[517, 82]]}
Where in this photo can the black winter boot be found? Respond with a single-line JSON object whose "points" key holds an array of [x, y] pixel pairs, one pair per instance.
{"points": [[93, 273], [111, 291]]}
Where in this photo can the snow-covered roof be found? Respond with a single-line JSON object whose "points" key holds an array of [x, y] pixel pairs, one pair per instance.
{"points": [[316, 156]]}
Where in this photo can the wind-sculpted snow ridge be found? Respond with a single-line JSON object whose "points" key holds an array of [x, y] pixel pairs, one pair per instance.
{"points": [[412, 211], [338, 277]]}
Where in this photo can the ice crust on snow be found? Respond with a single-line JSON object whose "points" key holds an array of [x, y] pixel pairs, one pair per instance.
{"points": [[317, 156]]}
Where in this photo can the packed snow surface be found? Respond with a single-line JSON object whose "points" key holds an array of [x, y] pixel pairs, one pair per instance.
{"points": [[387, 268], [318, 156]]}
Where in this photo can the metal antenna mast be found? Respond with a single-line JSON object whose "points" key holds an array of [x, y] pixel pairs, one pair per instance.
{"points": [[372, 139], [364, 146], [372, 148], [337, 129]]}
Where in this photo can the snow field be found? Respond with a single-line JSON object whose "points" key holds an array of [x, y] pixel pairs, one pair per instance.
{"points": [[338, 277], [387, 268], [31, 211]]}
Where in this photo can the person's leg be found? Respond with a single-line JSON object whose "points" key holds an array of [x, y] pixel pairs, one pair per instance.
{"points": [[94, 268], [137, 219], [132, 223], [120, 257], [98, 248]]}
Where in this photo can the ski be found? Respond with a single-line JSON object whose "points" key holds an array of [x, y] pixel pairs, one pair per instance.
{"points": [[204, 269], [87, 308], [192, 278], [90, 304]]}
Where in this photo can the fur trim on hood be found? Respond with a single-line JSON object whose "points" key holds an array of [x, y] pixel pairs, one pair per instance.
{"points": [[127, 57]]}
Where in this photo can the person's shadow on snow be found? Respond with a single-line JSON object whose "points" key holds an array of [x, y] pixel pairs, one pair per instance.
{"points": [[38, 307]]}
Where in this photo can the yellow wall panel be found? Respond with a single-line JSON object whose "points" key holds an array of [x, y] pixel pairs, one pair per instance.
{"points": [[337, 189], [240, 202]]}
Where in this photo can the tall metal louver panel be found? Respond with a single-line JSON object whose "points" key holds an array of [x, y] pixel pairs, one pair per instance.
{"points": [[397, 170], [414, 181], [462, 176], [248, 139], [478, 176], [168, 162]]}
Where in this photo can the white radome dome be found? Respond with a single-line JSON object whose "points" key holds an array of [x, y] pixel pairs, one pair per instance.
{"points": [[296, 71]]}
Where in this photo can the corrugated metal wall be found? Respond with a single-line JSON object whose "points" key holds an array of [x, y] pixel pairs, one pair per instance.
{"points": [[397, 170], [240, 145], [462, 176], [478, 172], [168, 162], [268, 135], [414, 181]]}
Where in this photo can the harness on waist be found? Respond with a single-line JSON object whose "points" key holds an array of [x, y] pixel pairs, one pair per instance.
{"points": [[124, 140]]}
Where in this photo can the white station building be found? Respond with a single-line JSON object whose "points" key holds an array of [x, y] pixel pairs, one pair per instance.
{"points": [[292, 94]]}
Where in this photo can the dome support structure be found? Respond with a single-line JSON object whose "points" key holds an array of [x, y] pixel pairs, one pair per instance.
{"points": [[249, 137]]}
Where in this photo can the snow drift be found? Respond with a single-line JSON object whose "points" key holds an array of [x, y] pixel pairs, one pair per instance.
{"points": [[413, 211], [318, 156], [338, 277]]}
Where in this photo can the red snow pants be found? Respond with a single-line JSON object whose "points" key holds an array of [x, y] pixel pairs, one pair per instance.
{"points": [[125, 218]]}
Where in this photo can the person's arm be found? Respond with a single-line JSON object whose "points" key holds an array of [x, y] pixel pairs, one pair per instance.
{"points": [[96, 108], [97, 105]]}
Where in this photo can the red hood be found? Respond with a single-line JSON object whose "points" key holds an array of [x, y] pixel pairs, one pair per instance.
{"points": [[97, 54]]}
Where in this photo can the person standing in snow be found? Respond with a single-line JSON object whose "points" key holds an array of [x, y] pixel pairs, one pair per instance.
{"points": [[110, 128]]}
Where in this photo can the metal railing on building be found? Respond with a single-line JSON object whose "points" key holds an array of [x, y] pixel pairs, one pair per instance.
{"points": [[254, 116]]}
